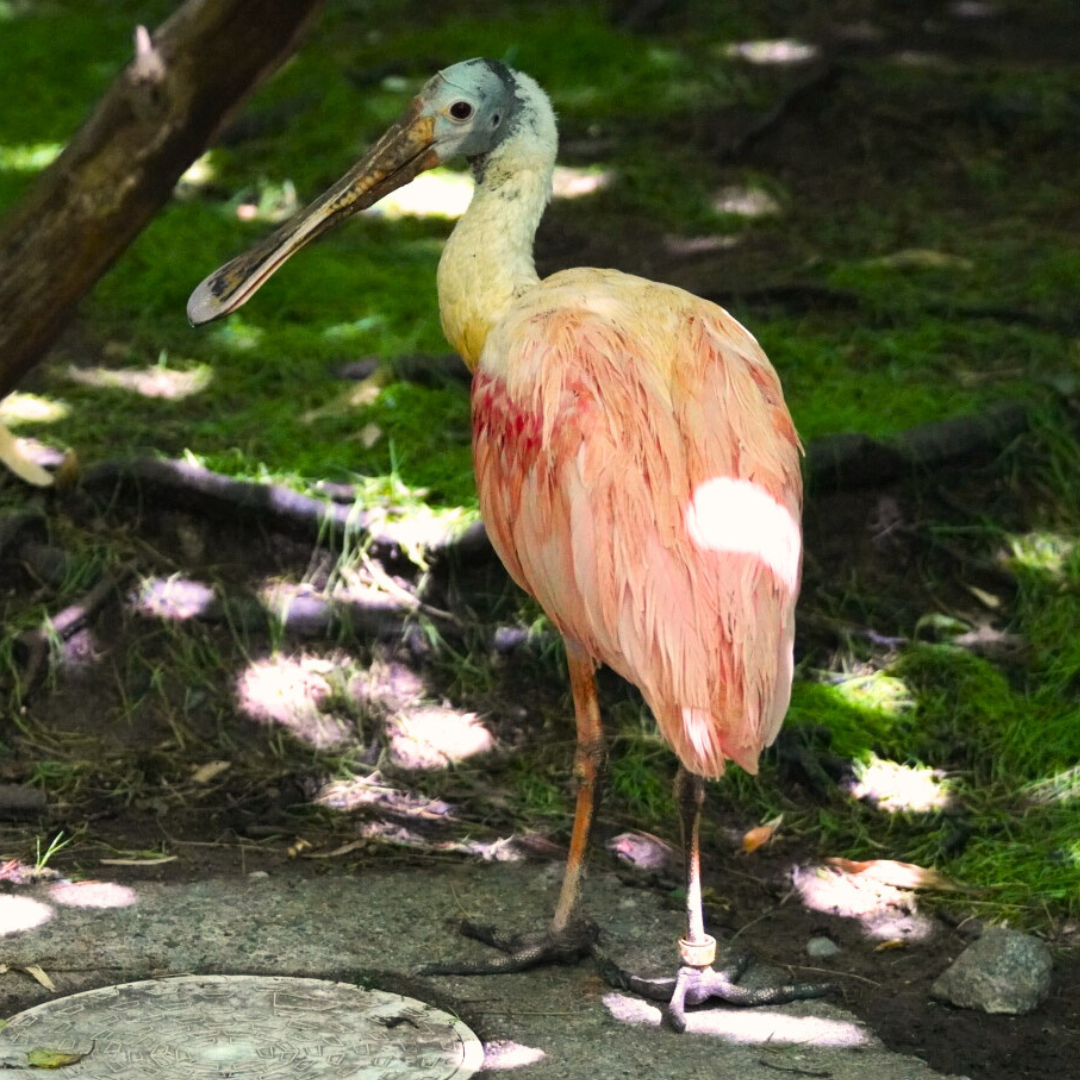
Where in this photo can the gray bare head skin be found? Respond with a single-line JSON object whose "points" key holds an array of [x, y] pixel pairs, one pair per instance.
{"points": [[466, 110], [477, 103]]}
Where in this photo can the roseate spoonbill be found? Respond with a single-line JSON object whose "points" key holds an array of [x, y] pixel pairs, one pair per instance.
{"points": [[638, 473]]}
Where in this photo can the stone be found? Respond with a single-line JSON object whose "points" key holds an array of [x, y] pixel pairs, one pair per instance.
{"points": [[821, 947], [1003, 971]]}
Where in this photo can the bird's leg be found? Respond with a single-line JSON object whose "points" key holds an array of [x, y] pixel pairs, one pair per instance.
{"points": [[697, 949], [697, 980], [588, 771], [570, 935]]}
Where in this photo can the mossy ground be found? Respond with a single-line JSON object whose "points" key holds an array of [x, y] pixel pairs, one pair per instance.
{"points": [[969, 162]]}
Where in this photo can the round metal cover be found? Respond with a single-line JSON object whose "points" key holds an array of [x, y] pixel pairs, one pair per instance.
{"points": [[241, 1026]]}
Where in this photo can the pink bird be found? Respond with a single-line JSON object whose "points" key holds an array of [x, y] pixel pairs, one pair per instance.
{"points": [[638, 473]]}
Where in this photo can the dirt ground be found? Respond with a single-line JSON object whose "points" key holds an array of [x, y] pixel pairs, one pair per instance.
{"points": [[100, 735], [133, 796]]}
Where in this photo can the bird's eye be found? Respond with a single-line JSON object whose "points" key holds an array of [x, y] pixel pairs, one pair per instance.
{"points": [[461, 110]]}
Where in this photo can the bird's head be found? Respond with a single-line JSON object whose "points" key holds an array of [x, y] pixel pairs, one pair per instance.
{"points": [[478, 109]]}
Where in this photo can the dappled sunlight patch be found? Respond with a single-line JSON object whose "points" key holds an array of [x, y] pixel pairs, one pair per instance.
{"points": [[375, 791], [156, 381], [886, 695], [437, 193], [740, 517], [92, 894], [745, 201], [1063, 788], [746, 1026], [503, 1054], [387, 685], [571, 183], [779, 51], [19, 913], [20, 408], [291, 692], [499, 850], [885, 912], [273, 203], [28, 157], [446, 193], [433, 737], [347, 331], [1046, 552], [503, 849], [235, 335], [897, 788], [198, 174], [175, 599], [424, 528], [689, 246]]}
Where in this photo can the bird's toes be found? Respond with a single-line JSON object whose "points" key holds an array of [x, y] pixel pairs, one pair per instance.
{"points": [[521, 950]]}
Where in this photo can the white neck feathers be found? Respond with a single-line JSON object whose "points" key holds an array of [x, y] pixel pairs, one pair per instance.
{"points": [[488, 260]]}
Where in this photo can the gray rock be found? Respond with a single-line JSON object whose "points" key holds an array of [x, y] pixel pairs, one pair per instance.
{"points": [[1002, 971], [821, 947]]}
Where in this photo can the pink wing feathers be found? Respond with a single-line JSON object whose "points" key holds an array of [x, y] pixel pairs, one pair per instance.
{"points": [[639, 475]]}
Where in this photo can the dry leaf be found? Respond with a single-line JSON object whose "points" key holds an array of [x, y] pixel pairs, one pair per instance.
{"points": [[888, 946], [52, 1059], [988, 599], [642, 850], [900, 875], [14, 457], [151, 861], [36, 972], [761, 834], [212, 769]]}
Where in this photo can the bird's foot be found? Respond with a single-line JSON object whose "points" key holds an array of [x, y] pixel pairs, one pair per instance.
{"points": [[522, 950], [696, 985]]}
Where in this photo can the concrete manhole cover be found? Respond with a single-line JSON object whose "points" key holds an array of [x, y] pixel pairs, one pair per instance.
{"points": [[241, 1026]]}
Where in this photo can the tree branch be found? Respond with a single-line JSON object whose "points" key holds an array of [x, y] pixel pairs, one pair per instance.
{"points": [[121, 166]]}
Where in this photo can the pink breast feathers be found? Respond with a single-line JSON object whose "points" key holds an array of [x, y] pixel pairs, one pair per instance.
{"points": [[510, 431]]}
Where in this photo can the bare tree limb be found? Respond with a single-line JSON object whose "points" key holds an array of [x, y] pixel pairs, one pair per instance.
{"points": [[121, 166]]}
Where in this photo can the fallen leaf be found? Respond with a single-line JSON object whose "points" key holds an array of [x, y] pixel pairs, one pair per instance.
{"points": [[205, 773], [642, 850], [988, 599], [888, 946], [298, 847], [52, 1059], [900, 875], [151, 861], [941, 627], [14, 457], [761, 834], [991, 643], [37, 972]]}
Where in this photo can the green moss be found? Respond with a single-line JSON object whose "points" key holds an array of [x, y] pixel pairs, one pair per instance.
{"points": [[913, 348]]}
